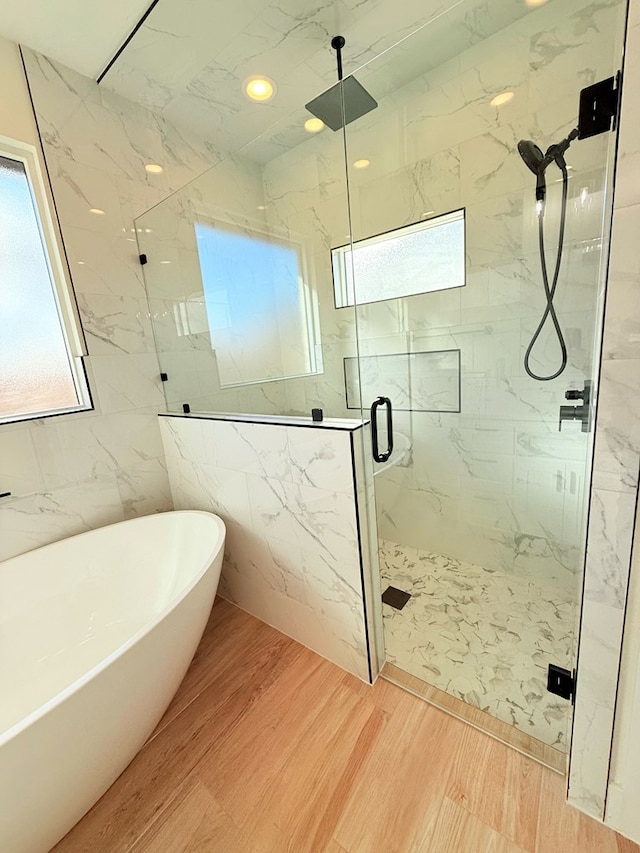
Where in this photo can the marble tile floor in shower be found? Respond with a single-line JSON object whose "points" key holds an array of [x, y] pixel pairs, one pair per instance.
{"points": [[481, 635]]}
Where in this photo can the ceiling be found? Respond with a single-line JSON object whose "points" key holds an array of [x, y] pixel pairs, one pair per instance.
{"points": [[82, 34], [190, 58]]}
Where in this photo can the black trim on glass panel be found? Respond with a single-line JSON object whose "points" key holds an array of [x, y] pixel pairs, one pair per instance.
{"points": [[354, 243], [255, 419]]}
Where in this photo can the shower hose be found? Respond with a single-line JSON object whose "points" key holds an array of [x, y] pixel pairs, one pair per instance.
{"points": [[549, 291]]}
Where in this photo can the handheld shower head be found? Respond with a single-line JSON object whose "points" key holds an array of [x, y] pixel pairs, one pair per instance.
{"points": [[536, 161], [532, 155]]}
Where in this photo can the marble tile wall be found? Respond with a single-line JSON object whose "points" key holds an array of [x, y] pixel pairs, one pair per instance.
{"points": [[496, 484], [418, 381], [234, 194], [289, 499], [615, 476], [189, 63], [71, 473]]}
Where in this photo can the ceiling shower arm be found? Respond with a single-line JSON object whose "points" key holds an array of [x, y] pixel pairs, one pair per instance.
{"points": [[337, 43]]}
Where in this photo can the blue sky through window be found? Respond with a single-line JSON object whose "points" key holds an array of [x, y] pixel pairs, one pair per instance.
{"points": [[254, 303]]}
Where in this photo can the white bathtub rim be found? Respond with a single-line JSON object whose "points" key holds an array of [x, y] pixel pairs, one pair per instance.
{"points": [[31, 718]]}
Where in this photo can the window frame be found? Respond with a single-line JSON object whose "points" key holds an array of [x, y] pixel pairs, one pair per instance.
{"points": [[59, 278], [339, 255]]}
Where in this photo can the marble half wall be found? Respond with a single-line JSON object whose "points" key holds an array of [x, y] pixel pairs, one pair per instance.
{"points": [[293, 500]]}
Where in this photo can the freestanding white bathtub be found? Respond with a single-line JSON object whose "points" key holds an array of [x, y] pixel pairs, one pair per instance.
{"points": [[96, 633]]}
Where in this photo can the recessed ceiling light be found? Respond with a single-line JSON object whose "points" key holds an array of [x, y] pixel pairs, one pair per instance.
{"points": [[259, 88], [97, 211], [429, 213], [261, 207], [313, 125], [165, 262], [502, 98], [154, 169], [534, 2], [81, 263], [147, 230], [361, 164]]}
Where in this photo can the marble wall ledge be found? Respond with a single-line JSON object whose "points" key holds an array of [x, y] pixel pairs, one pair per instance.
{"points": [[347, 424]]}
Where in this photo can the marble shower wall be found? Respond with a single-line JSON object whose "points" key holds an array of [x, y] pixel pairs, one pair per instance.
{"points": [[496, 484], [231, 193], [235, 195], [71, 473], [296, 554]]}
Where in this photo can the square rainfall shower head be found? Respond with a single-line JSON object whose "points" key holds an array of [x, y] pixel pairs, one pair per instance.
{"points": [[328, 107]]}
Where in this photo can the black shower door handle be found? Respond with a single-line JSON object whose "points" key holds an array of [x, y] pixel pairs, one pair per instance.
{"points": [[381, 457]]}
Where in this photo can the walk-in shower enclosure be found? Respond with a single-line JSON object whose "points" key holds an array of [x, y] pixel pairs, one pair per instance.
{"points": [[398, 257]]}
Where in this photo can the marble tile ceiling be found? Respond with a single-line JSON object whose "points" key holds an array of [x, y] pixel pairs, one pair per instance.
{"points": [[189, 61]]}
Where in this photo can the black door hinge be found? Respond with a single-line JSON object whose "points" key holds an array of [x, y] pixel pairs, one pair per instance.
{"points": [[600, 107], [562, 682], [143, 260]]}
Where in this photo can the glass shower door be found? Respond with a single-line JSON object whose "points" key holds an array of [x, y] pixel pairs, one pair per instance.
{"points": [[481, 505]]}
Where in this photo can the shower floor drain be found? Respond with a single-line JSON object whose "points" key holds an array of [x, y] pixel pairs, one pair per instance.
{"points": [[395, 597]]}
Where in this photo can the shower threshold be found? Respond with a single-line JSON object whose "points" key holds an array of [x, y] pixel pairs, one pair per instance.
{"points": [[552, 758], [476, 643]]}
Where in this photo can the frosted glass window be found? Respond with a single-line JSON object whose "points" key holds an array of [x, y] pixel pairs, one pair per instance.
{"points": [[38, 371], [418, 258], [257, 305]]}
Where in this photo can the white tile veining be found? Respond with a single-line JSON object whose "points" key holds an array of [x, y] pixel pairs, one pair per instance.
{"points": [[288, 497], [502, 489], [82, 471]]}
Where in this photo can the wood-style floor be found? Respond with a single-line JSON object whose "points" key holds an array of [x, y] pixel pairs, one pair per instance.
{"points": [[268, 747], [480, 719]]}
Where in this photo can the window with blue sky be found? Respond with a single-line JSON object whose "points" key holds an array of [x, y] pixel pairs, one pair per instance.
{"points": [[257, 304]]}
